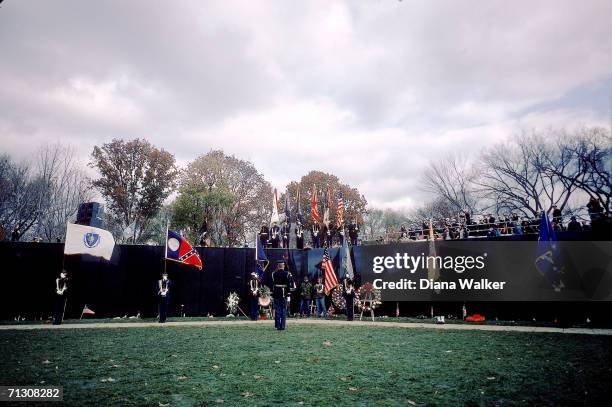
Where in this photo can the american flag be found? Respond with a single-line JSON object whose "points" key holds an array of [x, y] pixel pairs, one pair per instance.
{"points": [[340, 211], [331, 281], [314, 208]]}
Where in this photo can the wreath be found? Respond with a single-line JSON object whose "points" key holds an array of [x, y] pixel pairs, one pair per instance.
{"points": [[264, 291], [338, 299], [373, 296], [232, 303]]}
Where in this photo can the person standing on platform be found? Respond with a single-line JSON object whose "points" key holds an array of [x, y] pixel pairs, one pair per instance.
{"points": [[285, 232], [280, 282], [61, 288], [299, 236], [275, 236], [327, 235], [353, 232], [305, 297], [264, 235], [319, 294], [349, 295], [163, 292], [254, 294], [315, 235]]}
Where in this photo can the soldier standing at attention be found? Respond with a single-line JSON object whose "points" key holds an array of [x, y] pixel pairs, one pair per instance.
{"points": [[163, 292], [275, 236], [314, 232], [61, 286], [299, 236], [353, 232], [280, 284], [254, 293], [285, 232], [264, 235]]}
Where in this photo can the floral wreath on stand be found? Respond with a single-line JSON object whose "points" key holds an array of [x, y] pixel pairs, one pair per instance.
{"points": [[232, 303], [338, 300], [373, 296]]}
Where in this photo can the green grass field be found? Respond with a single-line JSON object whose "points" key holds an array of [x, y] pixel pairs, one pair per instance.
{"points": [[309, 365]]}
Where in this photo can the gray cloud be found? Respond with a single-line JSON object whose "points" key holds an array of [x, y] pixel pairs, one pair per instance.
{"points": [[369, 91]]}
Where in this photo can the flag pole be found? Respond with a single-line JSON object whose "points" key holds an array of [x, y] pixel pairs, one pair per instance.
{"points": [[166, 244]]}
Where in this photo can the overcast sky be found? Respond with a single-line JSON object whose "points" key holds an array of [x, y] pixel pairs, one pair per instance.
{"points": [[367, 90]]}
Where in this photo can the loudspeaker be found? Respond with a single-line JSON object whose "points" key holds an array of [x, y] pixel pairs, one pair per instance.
{"points": [[90, 214]]}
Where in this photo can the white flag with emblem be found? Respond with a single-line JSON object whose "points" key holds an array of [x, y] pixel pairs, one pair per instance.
{"points": [[82, 239]]}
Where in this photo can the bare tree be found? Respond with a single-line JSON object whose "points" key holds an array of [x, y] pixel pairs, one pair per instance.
{"points": [[68, 187], [514, 177], [22, 197], [584, 161], [452, 179]]}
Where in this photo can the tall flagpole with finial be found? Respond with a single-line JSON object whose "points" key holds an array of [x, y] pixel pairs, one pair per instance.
{"points": [[166, 245]]}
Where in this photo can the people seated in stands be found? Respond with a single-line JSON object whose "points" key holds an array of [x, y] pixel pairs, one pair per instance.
{"points": [[556, 215], [493, 232], [594, 208], [574, 225], [516, 228]]}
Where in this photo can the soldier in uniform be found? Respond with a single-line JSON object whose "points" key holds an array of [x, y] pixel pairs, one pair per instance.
{"points": [[275, 236], [61, 286], [254, 294], [341, 235], [264, 235], [299, 236], [314, 233], [280, 288], [163, 292], [349, 295], [353, 232], [328, 235], [285, 232]]}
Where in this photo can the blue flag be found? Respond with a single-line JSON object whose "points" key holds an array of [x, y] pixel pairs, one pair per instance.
{"points": [[261, 260], [346, 266], [548, 256]]}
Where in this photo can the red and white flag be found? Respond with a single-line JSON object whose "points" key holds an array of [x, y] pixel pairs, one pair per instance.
{"points": [[314, 210], [340, 211], [331, 281], [87, 311]]}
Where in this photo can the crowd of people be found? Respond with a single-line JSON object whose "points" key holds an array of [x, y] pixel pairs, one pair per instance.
{"points": [[325, 235], [466, 225]]}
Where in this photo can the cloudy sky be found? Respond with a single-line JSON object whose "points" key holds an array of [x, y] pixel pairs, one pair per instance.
{"points": [[367, 90]]}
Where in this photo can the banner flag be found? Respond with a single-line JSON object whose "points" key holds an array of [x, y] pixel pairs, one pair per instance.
{"points": [[261, 260], [346, 266], [81, 239], [274, 218], [331, 281], [548, 257], [178, 249], [314, 209]]}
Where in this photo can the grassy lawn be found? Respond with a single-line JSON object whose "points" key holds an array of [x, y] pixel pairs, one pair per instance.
{"points": [[310, 365]]}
